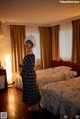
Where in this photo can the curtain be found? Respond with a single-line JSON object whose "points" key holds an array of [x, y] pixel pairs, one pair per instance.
{"points": [[46, 47], [76, 41], [17, 43], [65, 41], [55, 42]]}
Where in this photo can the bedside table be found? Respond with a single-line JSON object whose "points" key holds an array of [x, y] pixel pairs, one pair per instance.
{"points": [[3, 79]]}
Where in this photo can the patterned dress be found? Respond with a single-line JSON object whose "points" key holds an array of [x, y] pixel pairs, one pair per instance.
{"points": [[30, 90]]}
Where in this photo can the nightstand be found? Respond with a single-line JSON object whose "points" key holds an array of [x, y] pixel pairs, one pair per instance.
{"points": [[3, 79]]}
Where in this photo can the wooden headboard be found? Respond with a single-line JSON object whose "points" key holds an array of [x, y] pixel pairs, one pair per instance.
{"points": [[75, 66]]}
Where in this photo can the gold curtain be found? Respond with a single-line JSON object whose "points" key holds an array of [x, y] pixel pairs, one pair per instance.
{"points": [[46, 47], [76, 41], [55, 42], [17, 45]]}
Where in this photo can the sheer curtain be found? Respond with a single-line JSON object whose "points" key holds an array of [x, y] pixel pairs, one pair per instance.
{"points": [[65, 41], [35, 31]]}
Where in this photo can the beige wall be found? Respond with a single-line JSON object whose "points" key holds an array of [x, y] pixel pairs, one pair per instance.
{"points": [[5, 44]]}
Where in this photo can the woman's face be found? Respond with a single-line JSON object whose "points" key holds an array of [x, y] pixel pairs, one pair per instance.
{"points": [[28, 46]]}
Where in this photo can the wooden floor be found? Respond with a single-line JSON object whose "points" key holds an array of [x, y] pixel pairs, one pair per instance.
{"points": [[11, 102]]}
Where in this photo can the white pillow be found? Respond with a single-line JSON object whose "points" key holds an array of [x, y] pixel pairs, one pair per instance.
{"points": [[61, 68], [75, 73], [69, 74]]}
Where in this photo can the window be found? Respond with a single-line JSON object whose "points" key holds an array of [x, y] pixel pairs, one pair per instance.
{"points": [[65, 41], [35, 31]]}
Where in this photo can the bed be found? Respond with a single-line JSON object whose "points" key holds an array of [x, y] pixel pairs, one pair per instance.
{"points": [[56, 74], [49, 75], [62, 98]]}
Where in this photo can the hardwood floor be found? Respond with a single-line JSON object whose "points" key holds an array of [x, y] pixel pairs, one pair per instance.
{"points": [[11, 102]]}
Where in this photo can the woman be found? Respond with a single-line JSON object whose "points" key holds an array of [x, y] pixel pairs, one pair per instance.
{"points": [[30, 90]]}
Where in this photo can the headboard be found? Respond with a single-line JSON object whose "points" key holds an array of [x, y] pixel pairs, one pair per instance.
{"points": [[75, 66]]}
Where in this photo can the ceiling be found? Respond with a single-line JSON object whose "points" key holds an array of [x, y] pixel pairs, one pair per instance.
{"points": [[37, 11]]}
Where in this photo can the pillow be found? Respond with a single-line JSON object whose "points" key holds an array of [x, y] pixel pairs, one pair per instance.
{"points": [[75, 73], [61, 68], [68, 74]]}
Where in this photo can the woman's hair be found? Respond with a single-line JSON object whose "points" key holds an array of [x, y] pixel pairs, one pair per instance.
{"points": [[29, 41]]}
